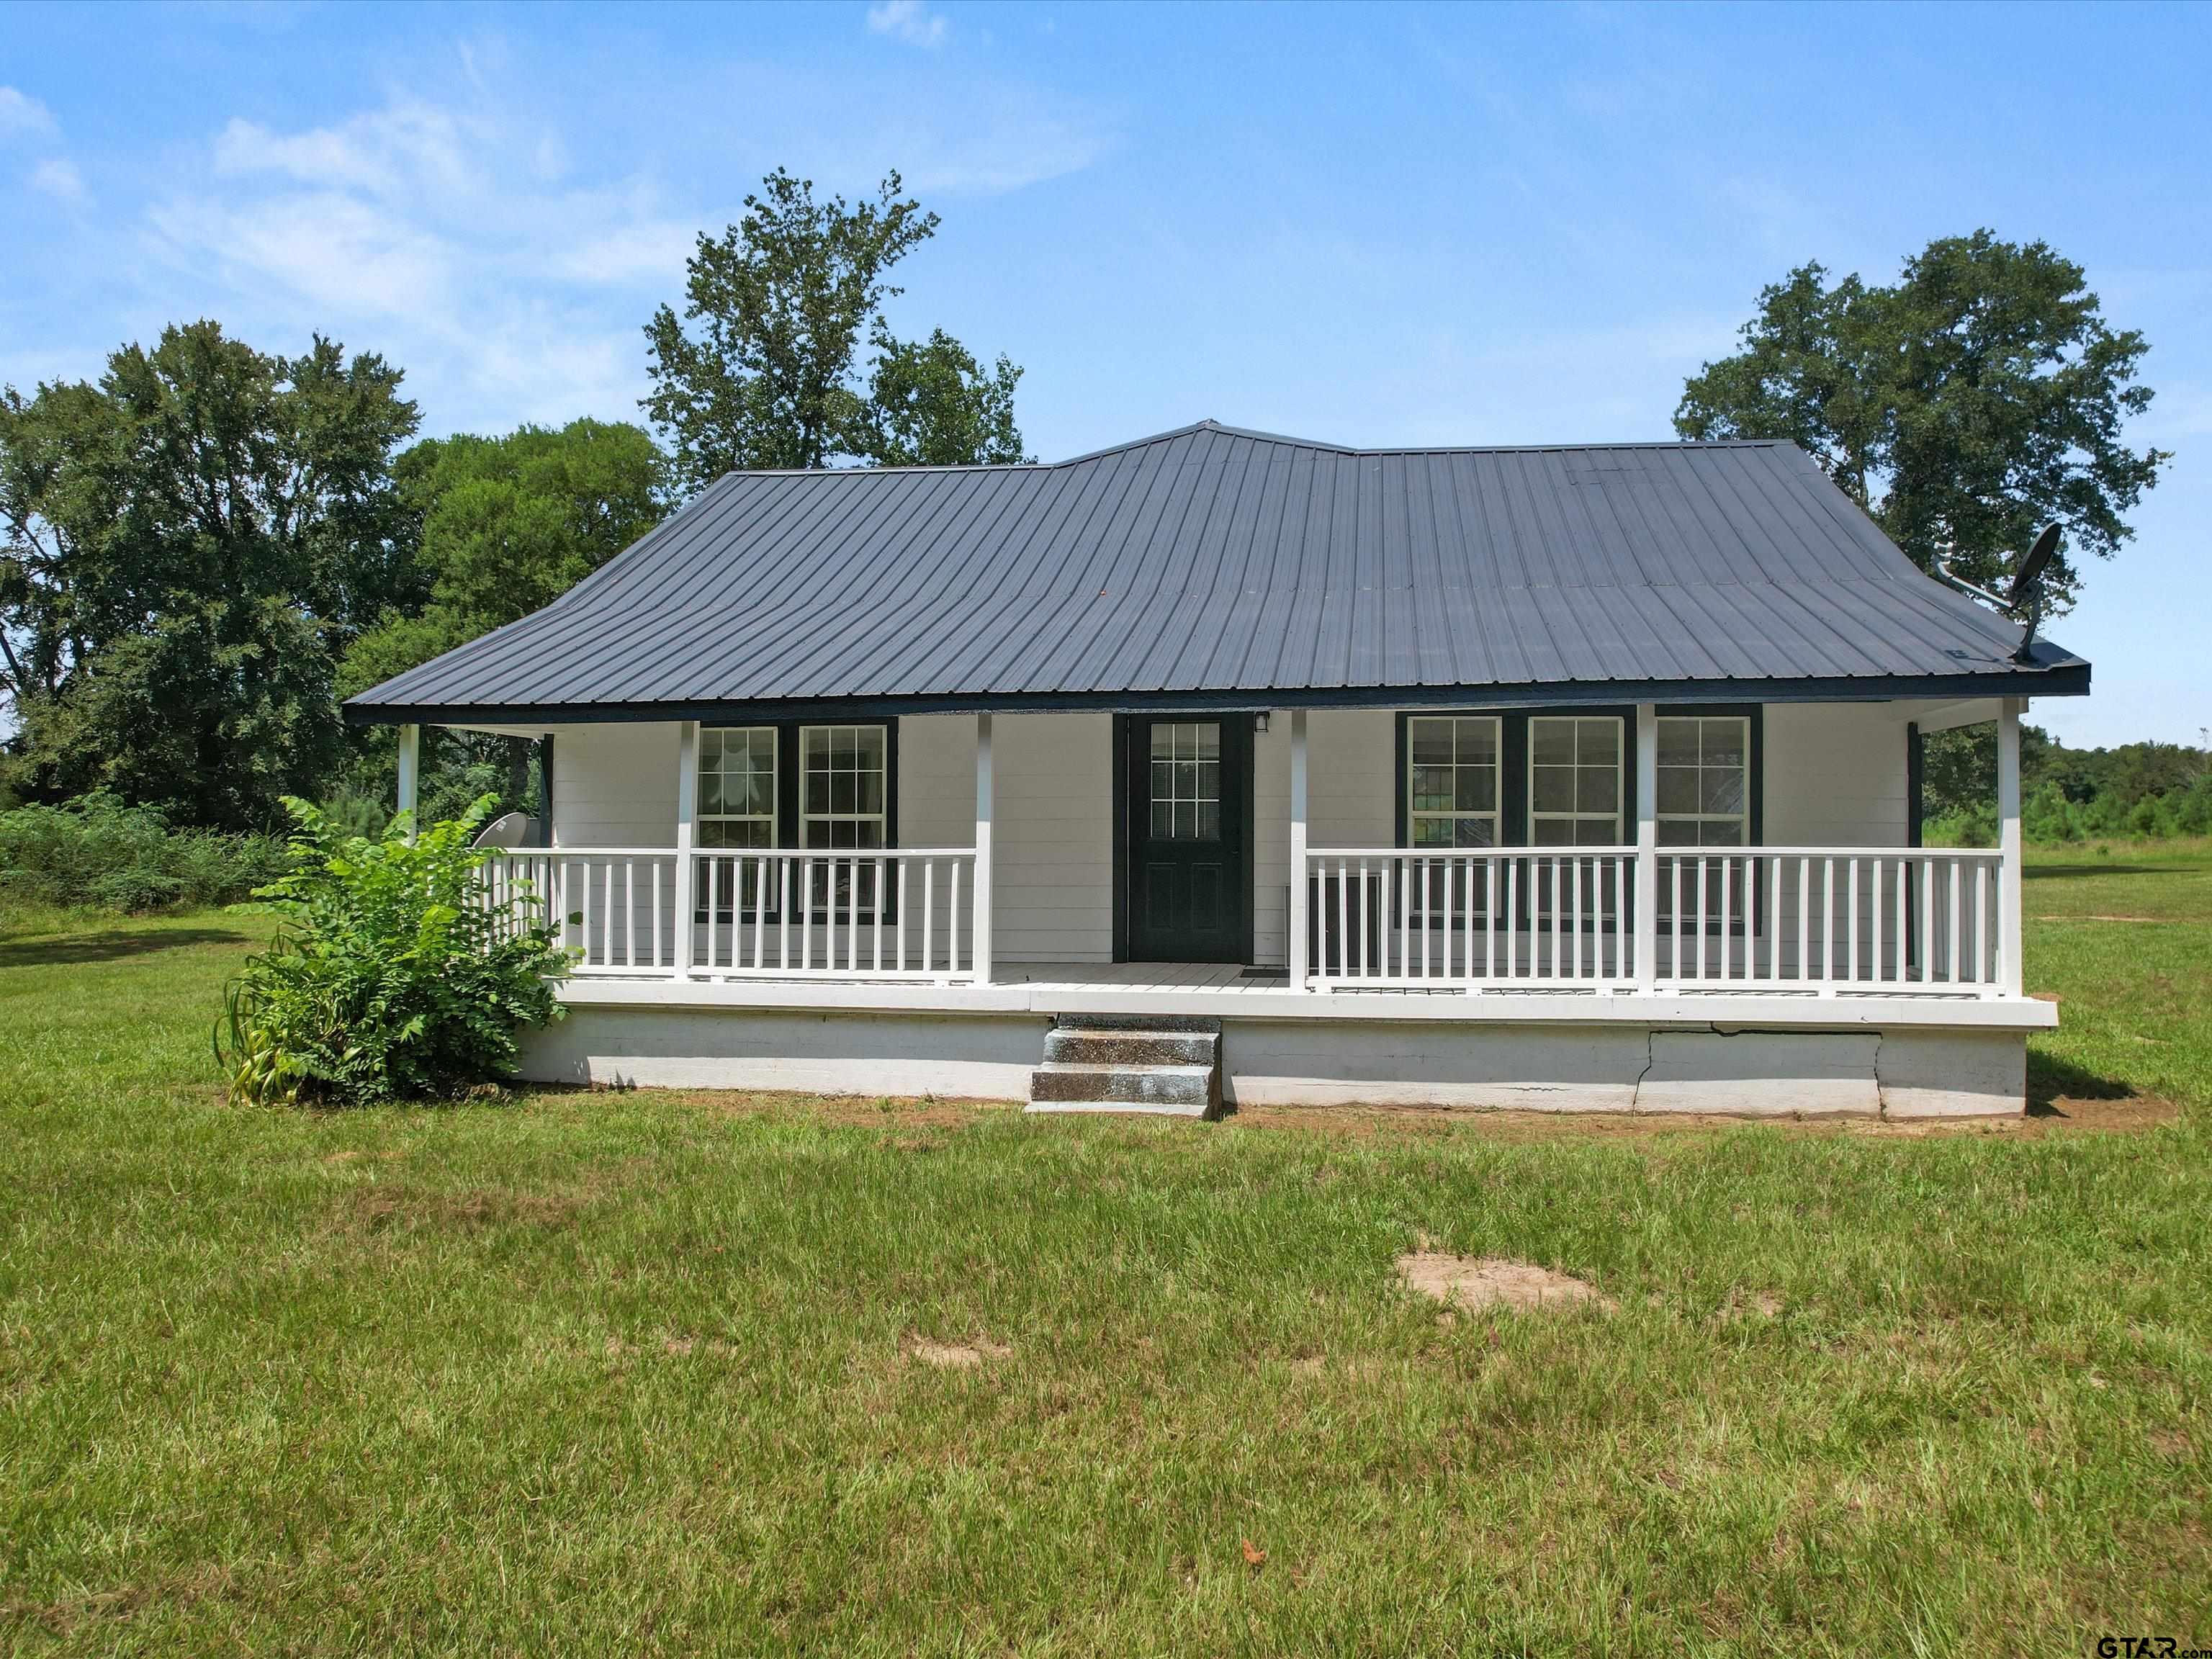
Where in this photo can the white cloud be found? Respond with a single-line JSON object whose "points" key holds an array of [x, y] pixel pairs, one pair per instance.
{"points": [[909, 21], [22, 114], [443, 236], [58, 177]]}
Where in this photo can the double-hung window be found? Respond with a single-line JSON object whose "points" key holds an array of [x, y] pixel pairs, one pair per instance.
{"points": [[736, 798], [1452, 781], [1704, 801], [817, 789], [844, 804]]}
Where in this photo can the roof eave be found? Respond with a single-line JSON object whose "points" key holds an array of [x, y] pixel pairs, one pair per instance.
{"points": [[2068, 679]]}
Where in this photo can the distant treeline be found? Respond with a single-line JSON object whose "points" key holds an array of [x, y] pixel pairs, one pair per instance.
{"points": [[2138, 790]]}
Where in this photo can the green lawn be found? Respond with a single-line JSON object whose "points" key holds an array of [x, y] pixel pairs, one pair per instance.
{"points": [[633, 1372]]}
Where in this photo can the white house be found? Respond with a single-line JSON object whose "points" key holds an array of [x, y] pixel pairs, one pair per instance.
{"points": [[1224, 763]]}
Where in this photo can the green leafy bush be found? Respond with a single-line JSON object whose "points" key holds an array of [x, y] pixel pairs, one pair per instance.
{"points": [[390, 978], [100, 854]]}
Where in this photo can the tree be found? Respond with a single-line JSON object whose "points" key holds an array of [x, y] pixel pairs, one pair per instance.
{"points": [[1980, 398], [761, 368], [188, 544], [930, 403], [507, 525]]}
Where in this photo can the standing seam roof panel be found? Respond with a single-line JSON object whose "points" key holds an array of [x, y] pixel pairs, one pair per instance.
{"points": [[1213, 559]]}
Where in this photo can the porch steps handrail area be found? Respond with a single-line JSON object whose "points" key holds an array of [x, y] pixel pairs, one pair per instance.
{"points": [[1829, 921]]}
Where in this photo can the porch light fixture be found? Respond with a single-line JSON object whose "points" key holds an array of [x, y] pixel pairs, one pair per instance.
{"points": [[1259, 720]]}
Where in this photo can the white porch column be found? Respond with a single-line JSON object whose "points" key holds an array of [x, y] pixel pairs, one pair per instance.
{"points": [[1298, 897], [980, 943], [2009, 844], [1647, 846], [410, 755], [687, 811]]}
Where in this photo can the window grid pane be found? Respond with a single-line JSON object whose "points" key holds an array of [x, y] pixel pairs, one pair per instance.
{"points": [[1451, 782], [737, 786], [1575, 779], [1704, 780]]}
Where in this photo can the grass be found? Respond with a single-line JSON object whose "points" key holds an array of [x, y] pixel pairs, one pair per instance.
{"points": [[634, 1371]]}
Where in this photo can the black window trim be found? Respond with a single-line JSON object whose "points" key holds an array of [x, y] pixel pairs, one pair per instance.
{"points": [[1513, 816], [788, 816]]}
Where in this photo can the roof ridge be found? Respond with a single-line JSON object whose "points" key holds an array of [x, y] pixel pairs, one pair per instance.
{"points": [[1209, 424]]}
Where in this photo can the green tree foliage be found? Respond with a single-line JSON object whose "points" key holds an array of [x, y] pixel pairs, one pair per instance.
{"points": [[188, 544], [1976, 399], [391, 977], [507, 525], [762, 370], [931, 403], [2150, 790]]}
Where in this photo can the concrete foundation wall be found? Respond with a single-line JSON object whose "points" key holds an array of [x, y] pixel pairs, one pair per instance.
{"points": [[1616, 1066]]}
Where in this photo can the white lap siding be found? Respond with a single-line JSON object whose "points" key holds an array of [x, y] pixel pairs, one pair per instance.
{"points": [[1836, 774], [615, 785], [1351, 783], [1052, 891]]}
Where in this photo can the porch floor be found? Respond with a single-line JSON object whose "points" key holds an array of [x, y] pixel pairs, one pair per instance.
{"points": [[1230, 989]]}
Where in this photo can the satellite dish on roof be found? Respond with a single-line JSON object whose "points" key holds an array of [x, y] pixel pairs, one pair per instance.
{"points": [[2025, 595]]}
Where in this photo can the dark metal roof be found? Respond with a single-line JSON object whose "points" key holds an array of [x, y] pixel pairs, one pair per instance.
{"points": [[1215, 567]]}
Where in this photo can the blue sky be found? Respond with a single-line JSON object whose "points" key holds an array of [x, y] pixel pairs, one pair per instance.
{"points": [[1379, 224]]}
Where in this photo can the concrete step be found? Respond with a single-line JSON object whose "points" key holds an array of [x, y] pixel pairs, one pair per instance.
{"points": [[1170, 1085], [1137, 1022], [1136, 1108], [1157, 1063], [1131, 1047]]}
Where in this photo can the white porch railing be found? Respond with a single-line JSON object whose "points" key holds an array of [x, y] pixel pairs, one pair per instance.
{"points": [[1824, 920], [1394, 919], [902, 913], [845, 915], [1832, 920]]}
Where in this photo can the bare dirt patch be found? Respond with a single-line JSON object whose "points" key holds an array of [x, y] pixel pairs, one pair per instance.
{"points": [[900, 1113], [2127, 1115], [385, 1208], [951, 1356], [1743, 1305], [1474, 1283], [2064, 1114]]}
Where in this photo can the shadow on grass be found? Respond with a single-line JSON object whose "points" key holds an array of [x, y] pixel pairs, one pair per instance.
{"points": [[110, 947], [2050, 1080], [2117, 867]]}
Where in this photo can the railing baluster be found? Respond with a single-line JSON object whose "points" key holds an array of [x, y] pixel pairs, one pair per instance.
{"points": [[1490, 921], [929, 915], [953, 923], [1981, 917]]}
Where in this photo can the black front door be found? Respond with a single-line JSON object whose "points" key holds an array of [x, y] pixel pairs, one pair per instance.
{"points": [[1190, 886]]}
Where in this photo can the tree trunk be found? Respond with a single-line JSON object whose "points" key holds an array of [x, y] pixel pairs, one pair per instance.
{"points": [[518, 775]]}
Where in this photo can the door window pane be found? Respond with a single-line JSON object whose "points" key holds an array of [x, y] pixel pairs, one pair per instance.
{"points": [[1186, 768]]}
